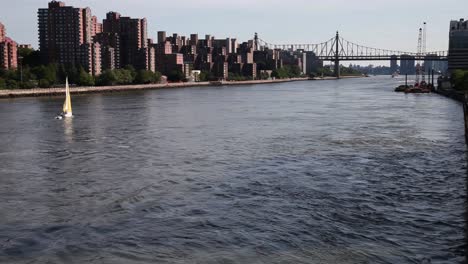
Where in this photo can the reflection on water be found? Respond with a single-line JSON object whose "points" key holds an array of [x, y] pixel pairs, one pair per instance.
{"points": [[309, 172], [68, 129]]}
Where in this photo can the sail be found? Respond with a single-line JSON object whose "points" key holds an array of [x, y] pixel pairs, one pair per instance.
{"points": [[67, 108]]}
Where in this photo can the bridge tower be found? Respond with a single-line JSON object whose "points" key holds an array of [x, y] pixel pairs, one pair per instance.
{"points": [[337, 53]]}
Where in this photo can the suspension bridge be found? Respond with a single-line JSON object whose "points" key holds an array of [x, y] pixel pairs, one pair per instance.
{"points": [[339, 49]]}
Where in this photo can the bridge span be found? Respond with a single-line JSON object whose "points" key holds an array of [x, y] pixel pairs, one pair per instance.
{"points": [[339, 49]]}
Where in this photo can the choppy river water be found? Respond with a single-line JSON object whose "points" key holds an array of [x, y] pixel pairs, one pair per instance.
{"points": [[340, 171]]}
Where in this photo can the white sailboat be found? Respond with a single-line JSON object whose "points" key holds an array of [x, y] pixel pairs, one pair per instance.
{"points": [[67, 107]]}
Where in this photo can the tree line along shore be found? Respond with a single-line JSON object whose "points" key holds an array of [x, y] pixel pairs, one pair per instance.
{"points": [[36, 92], [31, 74]]}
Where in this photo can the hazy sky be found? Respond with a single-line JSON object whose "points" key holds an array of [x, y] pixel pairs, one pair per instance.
{"points": [[390, 24]]}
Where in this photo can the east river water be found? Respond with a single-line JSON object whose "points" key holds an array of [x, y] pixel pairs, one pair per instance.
{"points": [[342, 171]]}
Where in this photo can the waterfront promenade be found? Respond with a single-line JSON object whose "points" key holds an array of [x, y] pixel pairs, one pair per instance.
{"points": [[123, 88]]}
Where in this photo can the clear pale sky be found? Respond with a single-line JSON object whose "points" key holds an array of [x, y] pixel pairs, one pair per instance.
{"points": [[384, 24]]}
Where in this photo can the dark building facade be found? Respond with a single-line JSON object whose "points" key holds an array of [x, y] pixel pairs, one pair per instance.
{"points": [[65, 34], [393, 63], [407, 64], [132, 47], [458, 45], [161, 36]]}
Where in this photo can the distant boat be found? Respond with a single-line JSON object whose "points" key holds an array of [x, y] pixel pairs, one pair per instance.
{"points": [[67, 107]]}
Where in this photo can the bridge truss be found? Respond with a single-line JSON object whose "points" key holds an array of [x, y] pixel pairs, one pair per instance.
{"points": [[339, 49]]}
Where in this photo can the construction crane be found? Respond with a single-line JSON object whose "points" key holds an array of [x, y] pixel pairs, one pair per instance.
{"points": [[423, 73], [418, 54]]}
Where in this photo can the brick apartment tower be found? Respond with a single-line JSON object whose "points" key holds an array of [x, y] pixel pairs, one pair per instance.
{"points": [[66, 36], [2, 32], [132, 43], [8, 51]]}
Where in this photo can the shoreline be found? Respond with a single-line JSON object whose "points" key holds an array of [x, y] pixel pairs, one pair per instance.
{"points": [[39, 92], [451, 93]]}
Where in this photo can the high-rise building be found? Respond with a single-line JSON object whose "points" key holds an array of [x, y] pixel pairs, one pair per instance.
{"points": [[312, 62], [8, 54], [151, 58], [183, 40], [96, 27], [8, 51], [65, 34], [161, 36], [208, 41], [393, 63], [432, 62], [2, 33], [458, 45], [229, 46], [193, 39], [110, 50], [234, 45], [90, 58], [25, 46], [169, 63], [133, 38], [407, 64]]}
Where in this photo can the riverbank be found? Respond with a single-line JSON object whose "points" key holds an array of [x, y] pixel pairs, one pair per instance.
{"points": [[123, 88], [36, 92], [451, 93], [334, 78]]}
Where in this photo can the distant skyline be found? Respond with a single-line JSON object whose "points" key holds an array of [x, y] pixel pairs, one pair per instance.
{"points": [[381, 24]]}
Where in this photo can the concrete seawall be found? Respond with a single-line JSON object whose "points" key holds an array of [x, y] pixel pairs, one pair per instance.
{"points": [[122, 88], [456, 95], [36, 92]]}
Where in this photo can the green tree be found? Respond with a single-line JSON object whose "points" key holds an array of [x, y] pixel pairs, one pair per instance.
{"points": [[264, 76], [30, 57], [294, 71], [460, 79], [3, 84], [235, 77], [157, 76], [202, 77], [11, 84], [325, 71], [85, 79], [175, 76], [145, 77], [11, 75], [123, 76], [29, 79], [281, 73], [132, 71], [46, 72], [73, 73], [107, 78], [44, 83], [349, 71]]}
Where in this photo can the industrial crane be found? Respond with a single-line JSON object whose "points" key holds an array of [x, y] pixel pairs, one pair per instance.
{"points": [[423, 65], [418, 54], [420, 67]]}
